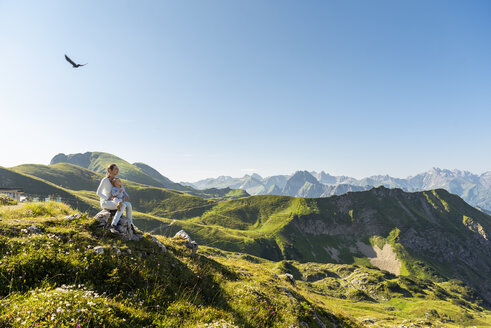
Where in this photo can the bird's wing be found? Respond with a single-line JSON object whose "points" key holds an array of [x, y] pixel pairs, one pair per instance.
{"points": [[83, 64], [69, 60]]}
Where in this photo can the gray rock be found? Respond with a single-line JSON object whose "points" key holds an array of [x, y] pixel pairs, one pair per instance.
{"points": [[183, 234], [289, 277], [191, 244], [105, 218], [34, 229], [73, 217], [98, 249], [162, 246]]}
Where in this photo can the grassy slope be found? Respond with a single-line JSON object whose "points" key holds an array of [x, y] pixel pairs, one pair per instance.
{"points": [[140, 286], [98, 162], [146, 287], [426, 230], [66, 175]]}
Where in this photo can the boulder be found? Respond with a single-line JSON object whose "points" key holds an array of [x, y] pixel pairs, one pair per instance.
{"points": [[183, 234], [289, 277], [98, 250], [105, 218], [191, 244], [73, 217], [34, 229]]}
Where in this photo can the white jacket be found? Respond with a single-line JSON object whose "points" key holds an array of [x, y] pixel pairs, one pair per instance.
{"points": [[104, 190]]}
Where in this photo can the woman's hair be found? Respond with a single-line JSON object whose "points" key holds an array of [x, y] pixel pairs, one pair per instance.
{"points": [[109, 169]]}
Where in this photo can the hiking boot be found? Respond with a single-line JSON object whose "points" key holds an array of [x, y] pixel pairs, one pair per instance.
{"points": [[119, 205], [113, 229], [133, 228]]}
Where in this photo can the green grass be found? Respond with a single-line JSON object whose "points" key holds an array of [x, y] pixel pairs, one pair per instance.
{"points": [[29, 210], [63, 174], [56, 279]]}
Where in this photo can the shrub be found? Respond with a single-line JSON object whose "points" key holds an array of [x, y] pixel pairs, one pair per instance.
{"points": [[6, 200]]}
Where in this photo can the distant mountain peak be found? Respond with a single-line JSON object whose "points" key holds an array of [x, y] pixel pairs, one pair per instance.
{"points": [[256, 176], [473, 188]]}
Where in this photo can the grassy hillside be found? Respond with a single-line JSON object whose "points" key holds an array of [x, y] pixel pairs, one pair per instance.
{"points": [[54, 278], [65, 175], [131, 284], [430, 234], [98, 162]]}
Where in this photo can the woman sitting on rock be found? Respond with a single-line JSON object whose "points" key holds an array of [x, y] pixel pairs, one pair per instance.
{"points": [[108, 202]]}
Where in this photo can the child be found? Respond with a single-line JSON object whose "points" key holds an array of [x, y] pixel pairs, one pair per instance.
{"points": [[118, 192], [121, 196]]}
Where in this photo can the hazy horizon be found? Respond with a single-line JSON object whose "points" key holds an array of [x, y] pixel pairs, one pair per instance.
{"points": [[202, 89]]}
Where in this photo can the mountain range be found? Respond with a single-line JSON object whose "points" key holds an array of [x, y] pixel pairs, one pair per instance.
{"points": [[473, 188]]}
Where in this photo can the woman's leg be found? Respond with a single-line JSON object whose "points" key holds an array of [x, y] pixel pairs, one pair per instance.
{"points": [[129, 211], [118, 214]]}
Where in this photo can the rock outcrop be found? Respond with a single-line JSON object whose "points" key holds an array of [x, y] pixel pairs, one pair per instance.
{"points": [[73, 217], [124, 228], [98, 249], [34, 229], [191, 244]]}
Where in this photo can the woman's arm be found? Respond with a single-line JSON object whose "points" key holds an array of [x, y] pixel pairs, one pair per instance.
{"points": [[101, 188]]}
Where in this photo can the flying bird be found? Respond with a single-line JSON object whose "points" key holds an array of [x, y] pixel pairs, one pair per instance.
{"points": [[73, 63]]}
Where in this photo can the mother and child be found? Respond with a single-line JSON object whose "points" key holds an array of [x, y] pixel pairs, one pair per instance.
{"points": [[114, 197]]}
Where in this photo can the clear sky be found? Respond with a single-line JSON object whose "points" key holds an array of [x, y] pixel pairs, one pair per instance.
{"points": [[199, 89]]}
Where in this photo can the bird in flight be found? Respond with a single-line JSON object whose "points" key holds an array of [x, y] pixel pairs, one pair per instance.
{"points": [[73, 63]]}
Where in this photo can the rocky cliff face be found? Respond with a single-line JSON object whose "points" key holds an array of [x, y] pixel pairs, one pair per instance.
{"points": [[433, 233]]}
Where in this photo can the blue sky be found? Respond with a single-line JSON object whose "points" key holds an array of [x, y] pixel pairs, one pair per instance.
{"points": [[206, 88]]}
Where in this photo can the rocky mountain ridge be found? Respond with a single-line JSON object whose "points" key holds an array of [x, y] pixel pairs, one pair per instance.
{"points": [[473, 188]]}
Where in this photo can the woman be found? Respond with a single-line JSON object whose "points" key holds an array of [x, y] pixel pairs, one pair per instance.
{"points": [[107, 200]]}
